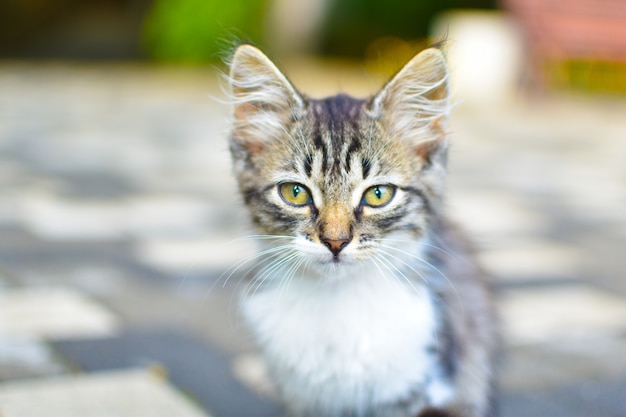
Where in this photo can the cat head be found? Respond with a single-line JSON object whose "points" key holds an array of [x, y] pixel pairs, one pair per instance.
{"points": [[340, 176]]}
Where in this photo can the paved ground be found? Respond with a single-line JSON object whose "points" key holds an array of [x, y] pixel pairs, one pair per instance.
{"points": [[118, 214]]}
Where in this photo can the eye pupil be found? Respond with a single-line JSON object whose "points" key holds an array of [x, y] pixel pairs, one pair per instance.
{"points": [[378, 193], [295, 191]]}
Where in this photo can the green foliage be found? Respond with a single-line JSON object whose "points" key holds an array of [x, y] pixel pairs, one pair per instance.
{"points": [[197, 30]]}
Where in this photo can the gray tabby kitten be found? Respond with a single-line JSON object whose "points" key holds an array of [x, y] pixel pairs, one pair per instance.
{"points": [[366, 302]]}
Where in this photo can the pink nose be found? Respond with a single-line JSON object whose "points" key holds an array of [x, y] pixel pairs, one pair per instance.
{"points": [[335, 246]]}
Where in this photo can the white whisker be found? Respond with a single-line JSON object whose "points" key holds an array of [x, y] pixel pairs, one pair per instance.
{"points": [[408, 265], [373, 260], [289, 275], [268, 272], [434, 268], [240, 264], [264, 237], [412, 241], [252, 261], [261, 265], [185, 277], [391, 265]]}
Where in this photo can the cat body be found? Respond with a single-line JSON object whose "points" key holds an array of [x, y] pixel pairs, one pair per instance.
{"points": [[366, 303]]}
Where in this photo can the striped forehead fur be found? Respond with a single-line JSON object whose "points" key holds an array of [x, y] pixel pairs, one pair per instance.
{"points": [[335, 130]]}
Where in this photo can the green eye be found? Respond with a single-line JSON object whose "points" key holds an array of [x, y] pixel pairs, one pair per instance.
{"points": [[378, 195], [294, 194]]}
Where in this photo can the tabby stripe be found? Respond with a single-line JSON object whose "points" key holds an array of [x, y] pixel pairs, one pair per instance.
{"points": [[250, 194], [336, 127], [355, 145], [279, 214], [366, 165], [308, 161], [318, 141], [448, 348], [388, 221], [419, 193], [336, 132]]}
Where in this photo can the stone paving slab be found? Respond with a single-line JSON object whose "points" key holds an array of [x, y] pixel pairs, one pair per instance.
{"points": [[547, 367], [196, 368], [53, 311], [128, 393], [591, 399], [567, 312], [31, 315], [27, 357]]}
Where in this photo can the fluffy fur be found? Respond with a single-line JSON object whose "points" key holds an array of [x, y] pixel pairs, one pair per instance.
{"points": [[361, 309]]}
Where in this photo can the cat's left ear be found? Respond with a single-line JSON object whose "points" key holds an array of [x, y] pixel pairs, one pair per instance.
{"points": [[413, 106], [264, 99]]}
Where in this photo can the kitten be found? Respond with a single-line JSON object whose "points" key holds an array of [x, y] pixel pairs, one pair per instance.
{"points": [[366, 302]]}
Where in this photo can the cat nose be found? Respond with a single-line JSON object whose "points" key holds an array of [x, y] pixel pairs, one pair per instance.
{"points": [[335, 246]]}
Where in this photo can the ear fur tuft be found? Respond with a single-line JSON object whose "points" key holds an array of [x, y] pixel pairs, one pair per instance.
{"points": [[414, 104], [264, 100]]}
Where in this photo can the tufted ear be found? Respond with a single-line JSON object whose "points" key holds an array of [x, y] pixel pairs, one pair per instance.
{"points": [[414, 104], [264, 99]]}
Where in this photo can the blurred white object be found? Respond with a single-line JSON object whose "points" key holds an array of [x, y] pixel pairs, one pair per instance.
{"points": [[293, 25], [485, 54]]}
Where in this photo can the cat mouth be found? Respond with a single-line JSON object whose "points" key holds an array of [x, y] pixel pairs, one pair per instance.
{"points": [[339, 259], [330, 259]]}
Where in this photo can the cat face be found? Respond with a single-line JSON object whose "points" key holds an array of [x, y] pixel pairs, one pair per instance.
{"points": [[340, 176]]}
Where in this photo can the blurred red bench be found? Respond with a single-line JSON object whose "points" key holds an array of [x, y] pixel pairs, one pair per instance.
{"points": [[566, 30]]}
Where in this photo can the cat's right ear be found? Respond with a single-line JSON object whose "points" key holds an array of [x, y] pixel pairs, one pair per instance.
{"points": [[413, 106], [264, 100]]}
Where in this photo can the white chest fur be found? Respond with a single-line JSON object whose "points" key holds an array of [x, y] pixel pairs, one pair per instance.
{"points": [[347, 345]]}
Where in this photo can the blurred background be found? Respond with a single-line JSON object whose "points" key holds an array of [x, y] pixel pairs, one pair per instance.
{"points": [[119, 216]]}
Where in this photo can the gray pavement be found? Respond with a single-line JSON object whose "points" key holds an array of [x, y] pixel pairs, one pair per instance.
{"points": [[118, 214]]}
